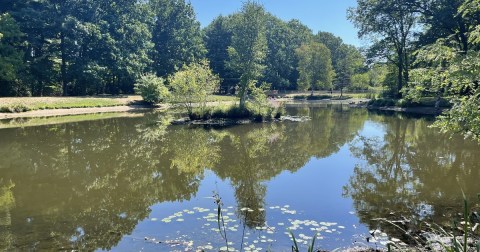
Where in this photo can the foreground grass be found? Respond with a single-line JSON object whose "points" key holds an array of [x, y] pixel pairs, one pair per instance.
{"points": [[23, 104]]}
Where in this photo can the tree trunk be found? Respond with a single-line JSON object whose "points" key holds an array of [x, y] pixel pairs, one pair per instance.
{"points": [[64, 63], [243, 94], [400, 74]]}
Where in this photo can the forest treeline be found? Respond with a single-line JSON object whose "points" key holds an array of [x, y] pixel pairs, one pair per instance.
{"points": [[71, 47], [416, 48]]}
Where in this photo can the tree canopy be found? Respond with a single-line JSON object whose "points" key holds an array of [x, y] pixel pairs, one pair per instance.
{"points": [[52, 48]]}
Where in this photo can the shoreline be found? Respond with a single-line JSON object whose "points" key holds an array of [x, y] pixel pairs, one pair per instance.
{"points": [[76, 111], [355, 103], [428, 111]]}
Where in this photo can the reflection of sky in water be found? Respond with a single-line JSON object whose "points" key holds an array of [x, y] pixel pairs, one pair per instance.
{"points": [[307, 202]]}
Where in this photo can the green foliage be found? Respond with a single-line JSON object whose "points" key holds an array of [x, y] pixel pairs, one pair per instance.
{"points": [[176, 35], [346, 60], [11, 60], [360, 81], [249, 46], [390, 25], [218, 37], [315, 66], [152, 89], [377, 75], [14, 108], [251, 111], [382, 102], [193, 84]]}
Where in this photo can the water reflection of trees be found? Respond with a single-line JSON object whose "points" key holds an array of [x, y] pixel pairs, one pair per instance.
{"points": [[85, 185], [412, 172]]}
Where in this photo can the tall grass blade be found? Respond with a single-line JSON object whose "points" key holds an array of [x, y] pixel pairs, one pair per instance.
{"points": [[295, 245], [312, 245], [465, 221]]}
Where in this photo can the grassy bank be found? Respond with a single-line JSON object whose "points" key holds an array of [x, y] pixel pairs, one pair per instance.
{"points": [[23, 104], [323, 95], [38, 121]]}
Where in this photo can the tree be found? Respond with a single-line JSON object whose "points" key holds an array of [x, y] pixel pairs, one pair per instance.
{"points": [[349, 62], [377, 74], [315, 66], [193, 84], [390, 25], [360, 81], [218, 37], [280, 59], [445, 68], [176, 35], [11, 57], [346, 59], [301, 34], [248, 50]]}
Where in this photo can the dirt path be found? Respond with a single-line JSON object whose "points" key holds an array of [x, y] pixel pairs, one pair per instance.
{"points": [[73, 111]]}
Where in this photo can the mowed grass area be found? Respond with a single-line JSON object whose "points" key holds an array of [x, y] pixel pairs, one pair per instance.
{"points": [[36, 121], [23, 104]]}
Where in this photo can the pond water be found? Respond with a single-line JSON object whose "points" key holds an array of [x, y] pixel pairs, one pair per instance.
{"points": [[130, 184]]}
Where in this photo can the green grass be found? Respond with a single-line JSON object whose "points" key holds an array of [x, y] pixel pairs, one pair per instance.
{"points": [[38, 121], [16, 105], [221, 98], [234, 112]]}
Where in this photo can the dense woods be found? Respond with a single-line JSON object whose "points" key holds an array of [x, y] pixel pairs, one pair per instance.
{"points": [[416, 48], [90, 47]]}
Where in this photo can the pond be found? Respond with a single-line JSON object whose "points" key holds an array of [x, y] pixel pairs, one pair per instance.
{"points": [[133, 183]]}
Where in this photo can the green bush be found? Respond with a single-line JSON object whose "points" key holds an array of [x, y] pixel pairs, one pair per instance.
{"points": [[312, 97], [382, 102], [235, 112], [152, 89], [423, 102], [15, 108]]}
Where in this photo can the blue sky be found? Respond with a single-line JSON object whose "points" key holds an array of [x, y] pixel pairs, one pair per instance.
{"points": [[319, 15]]}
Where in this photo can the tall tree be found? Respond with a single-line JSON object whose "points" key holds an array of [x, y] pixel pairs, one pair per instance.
{"points": [[11, 57], [301, 35], [280, 59], [349, 63], [248, 50], [444, 68], [390, 25], [218, 37], [176, 35], [315, 66], [346, 59]]}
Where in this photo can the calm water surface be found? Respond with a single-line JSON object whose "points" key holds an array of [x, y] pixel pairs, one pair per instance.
{"points": [[130, 184]]}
